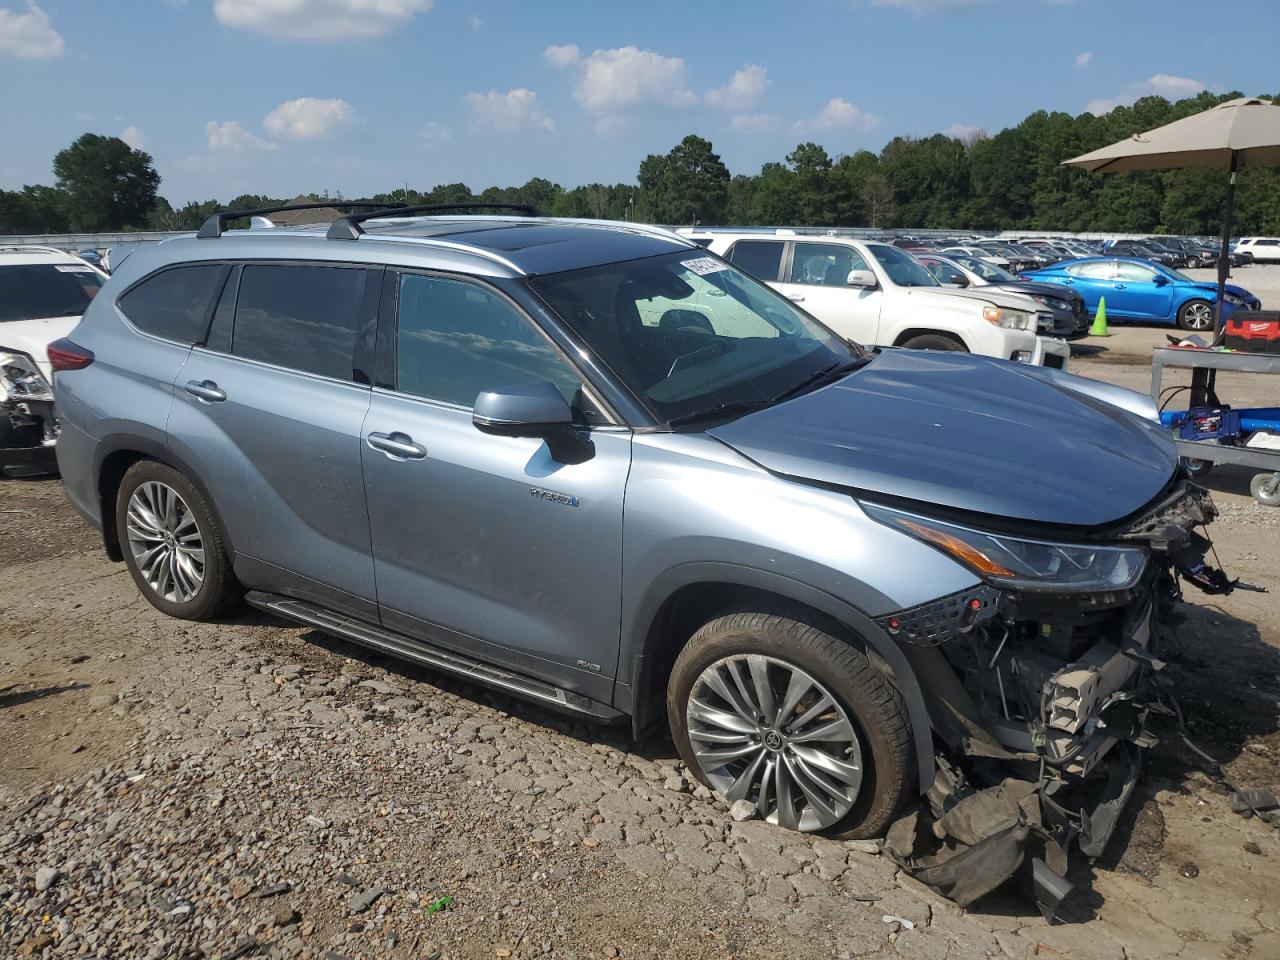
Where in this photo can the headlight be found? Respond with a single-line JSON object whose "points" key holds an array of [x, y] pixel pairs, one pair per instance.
{"points": [[1235, 301], [21, 379], [1031, 565], [1009, 319]]}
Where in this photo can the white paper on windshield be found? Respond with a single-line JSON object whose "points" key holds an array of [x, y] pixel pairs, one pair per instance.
{"points": [[702, 265], [72, 268]]}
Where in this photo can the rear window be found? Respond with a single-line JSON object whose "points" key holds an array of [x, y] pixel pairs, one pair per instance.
{"points": [[301, 317], [42, 290], [175, 304]]}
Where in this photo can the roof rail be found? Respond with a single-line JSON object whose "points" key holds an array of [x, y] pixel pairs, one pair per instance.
{"points": [[216, 224], [348, 227], [35, 247]]}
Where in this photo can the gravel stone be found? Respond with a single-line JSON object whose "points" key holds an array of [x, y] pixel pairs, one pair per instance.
{"points": [[742, 810]]}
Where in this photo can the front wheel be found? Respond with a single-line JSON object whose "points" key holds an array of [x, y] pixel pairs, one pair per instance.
{"points": [[934, 341], [1265, 488], [794, 719], [1196, 467], [1193, 263], [1196, 315], [172, 545]]}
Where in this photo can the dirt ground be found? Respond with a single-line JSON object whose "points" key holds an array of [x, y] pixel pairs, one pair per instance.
{"points": [[249, 788]]}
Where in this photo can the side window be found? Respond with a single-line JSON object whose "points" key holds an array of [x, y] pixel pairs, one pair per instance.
{"points": [[301, 317], [1134, 273], [455, 339], [1094, 270], [175, 304], [824, 264], [760, 258]]}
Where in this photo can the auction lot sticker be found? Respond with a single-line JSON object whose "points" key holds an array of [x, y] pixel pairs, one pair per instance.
{"points": [[702, 265], [72, 268]]}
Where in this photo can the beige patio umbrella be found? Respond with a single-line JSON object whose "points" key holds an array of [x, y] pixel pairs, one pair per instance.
{"points": [[1238, 133]]}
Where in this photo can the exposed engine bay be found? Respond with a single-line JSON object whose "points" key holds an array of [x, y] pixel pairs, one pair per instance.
{"points": [[1040, 704]]}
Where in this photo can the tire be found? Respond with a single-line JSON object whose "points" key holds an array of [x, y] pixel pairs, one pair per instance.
{"points": [[1193, 263], [1196, 467], [1196, 315], [934, 341], [161, 528], [876, 737], [1265, 488]]}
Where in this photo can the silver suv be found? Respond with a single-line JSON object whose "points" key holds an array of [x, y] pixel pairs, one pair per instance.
{"points": [[522, 450]]}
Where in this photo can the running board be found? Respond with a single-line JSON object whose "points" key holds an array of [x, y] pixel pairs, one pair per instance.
{"points": [[424, 654]]}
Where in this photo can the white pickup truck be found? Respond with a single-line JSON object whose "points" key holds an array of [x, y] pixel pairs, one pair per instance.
{"points": [[874, 293]]}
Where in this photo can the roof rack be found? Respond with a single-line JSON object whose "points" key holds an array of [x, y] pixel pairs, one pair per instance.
{"points": [[216, 224], [34, 247], [348, 227]]}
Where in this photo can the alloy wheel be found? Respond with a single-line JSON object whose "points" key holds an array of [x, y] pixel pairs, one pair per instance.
{"points": [[1198, 316], [765, 731], [165, 542]]}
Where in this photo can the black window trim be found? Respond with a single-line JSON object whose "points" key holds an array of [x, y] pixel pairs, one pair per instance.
{"points": [[782, 257], [385, 364], [221, 283], [367, 329]]}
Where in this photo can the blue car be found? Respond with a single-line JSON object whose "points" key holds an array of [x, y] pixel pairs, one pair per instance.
{"points": [[1142, 290]]}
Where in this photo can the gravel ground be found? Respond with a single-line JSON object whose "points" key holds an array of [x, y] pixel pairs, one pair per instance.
{"points": [[248, 788]]}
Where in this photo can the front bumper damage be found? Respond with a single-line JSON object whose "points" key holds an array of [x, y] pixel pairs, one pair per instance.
{"points": [[33, 429], [1040, 705]]}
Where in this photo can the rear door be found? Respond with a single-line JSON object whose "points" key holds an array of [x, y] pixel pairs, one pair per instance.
{"points": [[817, 278], [1092, 279], [268, 413], [486, 544]]}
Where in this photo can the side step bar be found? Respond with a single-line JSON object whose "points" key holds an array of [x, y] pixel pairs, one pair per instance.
{"points": [[416, 651]]}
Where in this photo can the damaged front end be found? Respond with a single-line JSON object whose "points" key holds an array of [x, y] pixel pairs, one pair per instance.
{"points": [[28, 427], [1039, 684]]}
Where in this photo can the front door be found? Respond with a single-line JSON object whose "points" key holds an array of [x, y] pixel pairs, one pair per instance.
{"points": [[818, 280], [481, 543], [1138, 295]]}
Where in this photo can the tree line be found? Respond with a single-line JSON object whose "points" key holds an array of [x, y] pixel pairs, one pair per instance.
{"points": [[1012, 179]]}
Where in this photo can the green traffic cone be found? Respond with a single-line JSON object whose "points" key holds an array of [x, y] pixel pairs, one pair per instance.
{"points": [[1099, 328]]}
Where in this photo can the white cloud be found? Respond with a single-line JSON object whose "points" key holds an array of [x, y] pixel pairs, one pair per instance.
{"points": [[308, 118], [925, 6], [435, 135], [753, 122], [627, 76], [319, 19], [838, 114], [477, 23], [513, 110], [962, 131], [611, 126], [1084, 58], [133, 137], [743, 91], [30, 35], [562, 55], [1162, 84], [231, 137]]}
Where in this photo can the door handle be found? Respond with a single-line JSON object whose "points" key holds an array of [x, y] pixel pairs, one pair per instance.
{"points": [[795, 297], [397, 446], [1120, 286], [206, 391]]}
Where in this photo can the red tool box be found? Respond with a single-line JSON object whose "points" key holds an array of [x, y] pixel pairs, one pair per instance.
{"points": [[1253, 331]]}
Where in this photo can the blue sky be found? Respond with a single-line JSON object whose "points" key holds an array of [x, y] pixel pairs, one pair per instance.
{"points": [[288, 96]]}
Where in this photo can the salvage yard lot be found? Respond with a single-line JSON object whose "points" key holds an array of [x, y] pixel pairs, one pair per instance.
{"points": [[170, 785]]}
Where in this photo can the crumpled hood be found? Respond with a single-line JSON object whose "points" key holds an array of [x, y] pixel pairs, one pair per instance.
{"points": [[969, 433], [33, 336], [1230, 288]]}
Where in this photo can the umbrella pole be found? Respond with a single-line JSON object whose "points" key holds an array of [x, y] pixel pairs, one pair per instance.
{"points": [[1224, 258]]}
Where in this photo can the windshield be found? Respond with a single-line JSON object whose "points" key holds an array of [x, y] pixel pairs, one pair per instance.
{"points": [[903, 269], [693, 337], [984, 268], [29, 291]]}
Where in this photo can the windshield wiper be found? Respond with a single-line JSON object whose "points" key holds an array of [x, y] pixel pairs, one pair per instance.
{"points": [[832, 371], [719, 411]]}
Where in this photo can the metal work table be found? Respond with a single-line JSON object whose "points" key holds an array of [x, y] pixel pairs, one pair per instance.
{"points": [[1204, 366]]}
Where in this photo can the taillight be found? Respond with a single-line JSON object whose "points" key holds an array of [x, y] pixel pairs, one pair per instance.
{"points": [[65, 354]]}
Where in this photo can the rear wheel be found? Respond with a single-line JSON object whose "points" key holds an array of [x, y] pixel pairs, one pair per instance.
{"points": [[1265, 488], [1196, 315], [171, 543], [1196, 467], [934, 341], [1193, 262], [794, 719]]}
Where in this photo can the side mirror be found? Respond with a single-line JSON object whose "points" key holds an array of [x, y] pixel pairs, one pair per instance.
{"points": [[958, 280], [1160, 280], [862, 278], [532, 410]]}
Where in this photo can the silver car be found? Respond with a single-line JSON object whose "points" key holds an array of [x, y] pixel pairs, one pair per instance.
{"points": [[596, 466]]}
